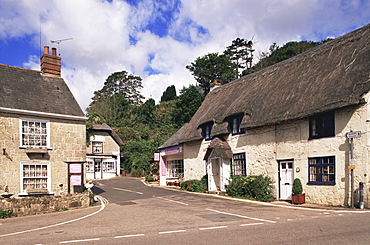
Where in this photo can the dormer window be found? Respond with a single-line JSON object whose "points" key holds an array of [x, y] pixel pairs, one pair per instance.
{"points": [[207, 130], [234, 123]]}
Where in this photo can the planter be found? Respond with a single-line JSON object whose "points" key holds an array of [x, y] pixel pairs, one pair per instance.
{"points": [[298, 198]]}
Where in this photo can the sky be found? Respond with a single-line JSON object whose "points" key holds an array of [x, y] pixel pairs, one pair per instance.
{"points": [[156, 39]]}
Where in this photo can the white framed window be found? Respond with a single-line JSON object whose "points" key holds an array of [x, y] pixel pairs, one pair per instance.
{"points": [[89, 165], [175, 168], [97, 147], [239, 165], [34, 133], [35, 175], [109, 165]]}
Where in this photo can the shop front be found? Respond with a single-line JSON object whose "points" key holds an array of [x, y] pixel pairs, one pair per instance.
{"points": [[171, 166]]}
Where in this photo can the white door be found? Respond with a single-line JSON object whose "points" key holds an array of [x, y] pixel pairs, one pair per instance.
{"points": [[215, 162], [286, 179], [97, 168]]}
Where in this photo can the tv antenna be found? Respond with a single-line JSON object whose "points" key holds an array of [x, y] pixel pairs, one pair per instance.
{"points": [[59, 41]]}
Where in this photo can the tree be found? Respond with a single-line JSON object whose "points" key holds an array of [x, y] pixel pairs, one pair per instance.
{"points": [[212, 66], [121, 83], [115, 109], [277, 54], [144, 114], [188, 103], [240, 53], [169, 94]]}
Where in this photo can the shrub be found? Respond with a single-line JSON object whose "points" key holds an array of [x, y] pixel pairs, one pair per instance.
{"points": [[149, 178], [5, 213], [256, 187], [297, 186], [137, 172], [195, 185]]}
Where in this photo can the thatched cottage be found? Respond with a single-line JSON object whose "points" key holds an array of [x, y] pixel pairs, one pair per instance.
{"points": [[306, 117], [43, 130], [103, 153]]}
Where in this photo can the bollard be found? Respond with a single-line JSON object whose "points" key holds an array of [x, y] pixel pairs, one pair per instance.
{"points": [[361, 191]]}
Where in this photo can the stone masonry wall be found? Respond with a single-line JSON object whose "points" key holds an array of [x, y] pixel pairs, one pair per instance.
{"points": [[45, 204]]}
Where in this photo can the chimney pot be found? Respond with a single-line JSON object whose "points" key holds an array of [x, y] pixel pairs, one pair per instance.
{"points": [[46, 49], [50, 64]]}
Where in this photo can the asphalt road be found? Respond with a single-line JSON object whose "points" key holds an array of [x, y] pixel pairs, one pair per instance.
{"points": [[139, 214]]}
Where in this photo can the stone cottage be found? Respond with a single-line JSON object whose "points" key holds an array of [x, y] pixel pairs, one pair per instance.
{"points": [[42, 129], [103, 152], [306, 117]]}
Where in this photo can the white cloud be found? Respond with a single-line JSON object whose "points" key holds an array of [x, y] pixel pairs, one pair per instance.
{"points": [[101, 33]]}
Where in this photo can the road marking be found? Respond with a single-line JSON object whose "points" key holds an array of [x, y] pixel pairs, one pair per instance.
{"points": [[63, 223], [140, 193], [172, 201], [212, 228], [241, 216], [166, 232], [130, 236], [84, 240], [252, 224]]}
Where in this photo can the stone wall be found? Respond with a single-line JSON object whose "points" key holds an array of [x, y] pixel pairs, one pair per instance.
{"points": [[45, 204]]}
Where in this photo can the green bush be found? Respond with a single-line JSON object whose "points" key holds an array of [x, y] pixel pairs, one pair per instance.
{"points": [[297, 186], [256, 187], [5, 213], [149, 178], [195, 185]]}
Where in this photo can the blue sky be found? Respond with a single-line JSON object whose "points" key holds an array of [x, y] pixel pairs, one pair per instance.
{"points": [[156, 39]]}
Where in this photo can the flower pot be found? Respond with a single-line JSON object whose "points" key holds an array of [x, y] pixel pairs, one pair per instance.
{"points": [[298, 198]]}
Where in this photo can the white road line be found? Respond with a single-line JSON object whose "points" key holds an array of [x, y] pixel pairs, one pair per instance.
{"points": [[252, 224], [130, 236], [212, 228], [63, 223], [172, 201], [166, 232], [84, 240], [241, 216], [140, 193]]}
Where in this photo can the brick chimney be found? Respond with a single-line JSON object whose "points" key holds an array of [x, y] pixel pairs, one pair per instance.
{"points": [[213, 85], [50, 63]]}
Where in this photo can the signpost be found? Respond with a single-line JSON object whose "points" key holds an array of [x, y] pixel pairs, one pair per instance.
{"points": [[351, 135]]}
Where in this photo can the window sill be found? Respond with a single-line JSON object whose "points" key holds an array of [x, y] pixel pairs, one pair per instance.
{"points": [[320, 137], [321, 183]]}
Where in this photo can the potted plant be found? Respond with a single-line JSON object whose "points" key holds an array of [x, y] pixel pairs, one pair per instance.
{"points": [[297, 196]]}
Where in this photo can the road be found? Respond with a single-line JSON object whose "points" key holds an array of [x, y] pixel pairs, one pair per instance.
{"points": [[139, 214]]}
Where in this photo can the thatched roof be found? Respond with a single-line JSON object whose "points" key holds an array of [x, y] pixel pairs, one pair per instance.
{"points": [[30, 90], [330, 76], [103, 127]]}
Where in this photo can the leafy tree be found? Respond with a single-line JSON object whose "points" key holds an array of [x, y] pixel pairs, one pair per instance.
{"points": [[138, 155], [187, 104], [115, 109], [240, 53], [121, 83], [212, 66], [277, 54], [169, 94], [144, 114]]}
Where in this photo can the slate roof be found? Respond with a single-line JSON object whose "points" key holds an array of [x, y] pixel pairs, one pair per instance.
{"points": [[25, 89], [330, 76], [105, 127]]}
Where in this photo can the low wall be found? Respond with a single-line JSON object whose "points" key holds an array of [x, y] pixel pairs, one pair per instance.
{"points": [[45, 204]]}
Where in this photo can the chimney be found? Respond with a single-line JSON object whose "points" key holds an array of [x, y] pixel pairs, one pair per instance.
{"points": [[50, 63], [214, 84]]}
